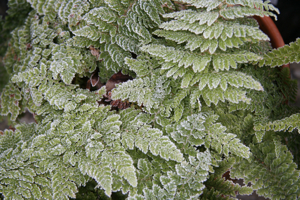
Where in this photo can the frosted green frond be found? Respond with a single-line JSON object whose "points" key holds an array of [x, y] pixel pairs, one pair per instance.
{"points": [[271, 163], [141, 66], [91, 32], [65, 65], [223, 30], [153, 140], [239, 12], [186, 181], [197, 41], [198, 61], [222, 61], [10, 100], [71, 11], [210, 5], [116, 55], [192, 16], [147, 139], [217, 185], [103, 13], [152, 11], [283, 55], [285, 124], [198, 130], [96, 17], [117, 6], [126, 43], [78, 41], [225, 79], [232, 94], [109, 63], [177, 25], [139, 30], [184, 58], [254, 4], [192, 102], [128, 91]]}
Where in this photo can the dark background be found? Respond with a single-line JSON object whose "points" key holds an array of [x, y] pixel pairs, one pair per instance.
{"points": [[288, 21], [3, 7]]}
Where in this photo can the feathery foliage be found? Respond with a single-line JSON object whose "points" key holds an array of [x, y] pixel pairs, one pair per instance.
{"points": [[202, 102]]}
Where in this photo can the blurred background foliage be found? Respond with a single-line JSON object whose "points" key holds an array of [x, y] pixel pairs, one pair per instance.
{"points": [[9, 20]]}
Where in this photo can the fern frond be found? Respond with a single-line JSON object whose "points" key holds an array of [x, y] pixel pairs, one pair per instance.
{"points": [[196, 93], [198, 61], [283, 55], [226, 189], [156, 143], [10, 99], [286, 124], [254, 4], [209, 5], [225, 79], [195, 41], [200, 129], [271, 163], [238, 12], [223, 29]]}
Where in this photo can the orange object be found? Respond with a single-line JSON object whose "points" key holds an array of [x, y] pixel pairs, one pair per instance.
{"points": [[267, 25]]}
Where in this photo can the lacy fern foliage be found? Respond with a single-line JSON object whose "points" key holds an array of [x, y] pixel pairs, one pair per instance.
{"points": [[201, 102]]}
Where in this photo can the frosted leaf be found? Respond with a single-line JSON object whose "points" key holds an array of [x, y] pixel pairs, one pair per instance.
{"points": [[112, 118], [86, 127], [68, 192], [91, 32], [223, 83], [28, 172], [178, 36], [93, 149], [194, 43], [205, 160], [203, 81], [79, 98], [85, 107], [200, 63], [129, 175], [70, 106], [142, 144], [151, 11], [96, 135], [213, 46], [58, 150], [128, 140], [103, 13], [187, 79], [177, 25], [103, 176], [67, 76], [172, 71], [36, 96], [222, 45], [39, 140], [36, 191], [213, 81], [145, 166]]}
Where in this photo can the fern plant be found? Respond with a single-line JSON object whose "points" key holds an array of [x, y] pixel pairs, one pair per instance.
{"points": [[203, 101]]}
